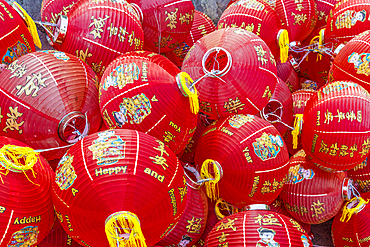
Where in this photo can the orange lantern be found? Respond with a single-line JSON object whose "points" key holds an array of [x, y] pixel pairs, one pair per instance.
{"points": [[244, 160], [26, 210], [234, 70], [145, 91], [361, 176], [286, 72], [49, 101]]}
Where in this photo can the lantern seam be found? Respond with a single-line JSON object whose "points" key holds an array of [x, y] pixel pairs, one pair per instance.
{"points": [[9, 32]]}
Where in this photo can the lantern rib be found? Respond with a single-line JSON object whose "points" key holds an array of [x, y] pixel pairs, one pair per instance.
{"points": [[273, 169], [56, 83], [160, 120], [9, 33], [286, 228], [180, 1], [98, 44], [137, 151], [267, 127], [7, 95], [350, 74], [83, 158], [7, 227]]}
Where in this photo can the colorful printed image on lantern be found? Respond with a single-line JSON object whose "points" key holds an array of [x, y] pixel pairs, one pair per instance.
{"points": [[305, 241], [251, 4], [58, 55], [309, 85], [337, 86], [298, 173], [108, 148], [122, 75], [268, 146], [137, 108], [65, 174], [13, 52], [267, 238], [349, 18], [238, 121], [361, 62], [27, 236], [185, 240]]}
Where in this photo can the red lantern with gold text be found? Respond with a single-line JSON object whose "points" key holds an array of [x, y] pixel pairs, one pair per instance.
{"points": [[146, 185], [49, 100], [239, 153], [258, 226], [98, 32], [202, 25], [361, 176], [335, 133], [147, 92], [235, 72], [286, 72], [312, 195], [259, 18], [16, 39], [323, 8], [57, 237], [351, 225], [166, 23], [27, 212]]}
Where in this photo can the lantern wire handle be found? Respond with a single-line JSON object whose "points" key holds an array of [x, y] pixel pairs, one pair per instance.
{"points": [[185, 83], [211, 185], [45, 24], [297, 129], [223, 205], [349, 210], [278, 118]]}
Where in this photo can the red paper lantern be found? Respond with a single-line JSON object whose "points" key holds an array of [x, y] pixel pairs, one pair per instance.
{"points": [[99, 31], [202, 25], [298, 17], [258, 226], [235, 72], [16, 39], [286, 72], [122, 179], [147, 92], [57, 237], [323, 8], [351, 227], [26, 210], [166, 23], [247, 158], [312, 195], [335, 133], [49, 100], [279, 110], [361, 176]]}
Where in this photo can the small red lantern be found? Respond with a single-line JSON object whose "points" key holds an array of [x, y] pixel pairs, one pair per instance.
{"points": [[247, 158], [57, 237], [202, 25], [258, 17], [361, 176], [323, 8], [286, 72], [335, 134], [312, 195], [145, 91], [235, 72], [146, 185], [49, 100], [166, 23], [258, 226], [99, 31], [26, 210]]}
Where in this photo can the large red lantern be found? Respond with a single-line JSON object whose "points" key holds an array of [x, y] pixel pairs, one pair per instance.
{"points": [[312, 195], [258, 226], [166, 23], [361, 176], [335, 133], [286, 72], [26, 210], [145, 91], [99, 31], [235, 72], [57, 237], [244, 158], [122, 180], [49, 100]]}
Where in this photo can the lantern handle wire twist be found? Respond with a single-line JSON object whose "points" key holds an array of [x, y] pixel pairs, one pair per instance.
{"points": [[211, 185], [279, 120], [224, 205]]}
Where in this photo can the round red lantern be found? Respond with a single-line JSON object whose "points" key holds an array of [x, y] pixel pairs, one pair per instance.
{"points": [[145, 91], [99, 31], [323, 8], [26, 210], [361, 176], [166, 23], [258, 17], [202, 25], [16, 39], [312, 195], [235, 72], [49, 100], [286, 72], [258, 226], [244, 159], [335, 134], [122, 180], [57, 237]]}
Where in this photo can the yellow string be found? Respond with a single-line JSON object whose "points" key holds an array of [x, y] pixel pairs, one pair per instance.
{"points": [[297, 129], [348, 212], [127, 223], [186, 80], [223, 205], [211, 186], [284, 45]]}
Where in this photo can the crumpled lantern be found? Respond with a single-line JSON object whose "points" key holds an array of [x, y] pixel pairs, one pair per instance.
{"points": [[335, 133], [286, 72], [361, 176], [166, 23], [145, 91], [234, 70], [146, 185], [57, 237], [26, 210], [244, 158], [312, 195], [99, 31], [49, 100], [259, 18], [258, 226]]}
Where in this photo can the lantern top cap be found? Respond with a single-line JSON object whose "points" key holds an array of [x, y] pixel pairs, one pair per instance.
{"points": [[190, 181], [73, 127], [347, 189], [60, 31], [257, 207]]}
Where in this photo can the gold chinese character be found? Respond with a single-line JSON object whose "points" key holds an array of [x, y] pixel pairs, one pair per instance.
{"points": [[205, 106], [317, 208], [351, 116], [333, 149], [340, 115], [299, 7], [365, 147], [266, 187], [297, 225], [321, 15], [223, 236], [267, 219], [194, 225], [11, 122], [275, 185], [168, 136], [323, 148], [17, 70], [233, 105], [97, 68], [260, 54], [353, 149], [98, 26], [33, 84], [161, 148], [158, 160], [267, 93], [185, 18], [343, 150], [172, 18], [249, 27], [229, 225], [164, 41], [328, 117], [359, 116], [83, 55], [298, 18]]}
